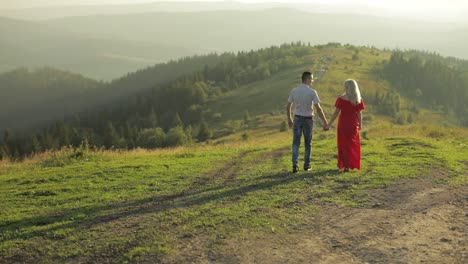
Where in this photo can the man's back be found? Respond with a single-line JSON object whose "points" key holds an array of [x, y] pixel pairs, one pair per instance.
{"points": [[303, 98]]}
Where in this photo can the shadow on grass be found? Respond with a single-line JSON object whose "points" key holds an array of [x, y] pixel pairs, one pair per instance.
{"points": [[185, 199]]}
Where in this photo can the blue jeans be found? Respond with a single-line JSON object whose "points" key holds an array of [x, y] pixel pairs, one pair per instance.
{"points": [[301, 126]]}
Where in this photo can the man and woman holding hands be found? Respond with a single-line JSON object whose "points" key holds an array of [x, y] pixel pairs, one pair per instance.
{"points": [[348, 110]]}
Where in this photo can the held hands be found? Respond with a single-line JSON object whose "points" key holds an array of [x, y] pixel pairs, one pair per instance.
{"points": [[290, 123], [326, 127]]}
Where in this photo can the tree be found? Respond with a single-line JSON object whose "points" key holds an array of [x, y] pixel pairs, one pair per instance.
{"points": [[153, 120], [35, 145], [176, 137], [247, 117], [76, 137], [189, 133], [151, 138], [6, 141], [410, 118], [204, 132], [110, 136], [90, 137], [177, 122], [61, 134]]}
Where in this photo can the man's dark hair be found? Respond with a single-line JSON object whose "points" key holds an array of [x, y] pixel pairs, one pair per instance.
{"points": [[306, 75]]}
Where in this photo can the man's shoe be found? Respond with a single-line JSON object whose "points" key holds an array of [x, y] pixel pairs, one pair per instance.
{"points": [[295, 169], [307, 168]]}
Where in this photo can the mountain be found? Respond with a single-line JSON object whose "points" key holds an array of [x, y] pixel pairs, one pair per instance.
{"points": [[30, 44], [245, 30], [452, 10], [47, 12], [69, 10], [32, 98], [105, 47]]}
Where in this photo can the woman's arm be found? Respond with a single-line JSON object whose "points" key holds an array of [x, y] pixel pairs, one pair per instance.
{"points": [[319, 110], [359, 114], [335, 115]]}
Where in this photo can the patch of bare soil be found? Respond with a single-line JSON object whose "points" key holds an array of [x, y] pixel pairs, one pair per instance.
{"points": [[232, 168], [412, 221]]}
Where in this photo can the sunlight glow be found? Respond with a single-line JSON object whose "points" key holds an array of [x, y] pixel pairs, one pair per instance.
{"points": [[427, 9]]}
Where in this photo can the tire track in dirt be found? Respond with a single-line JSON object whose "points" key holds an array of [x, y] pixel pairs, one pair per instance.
{"points": [[194, 248], [232, 168], [411, 221]]}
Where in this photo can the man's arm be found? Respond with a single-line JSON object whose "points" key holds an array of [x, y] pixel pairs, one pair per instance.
{"points": [[319, 111], [288, 111]]}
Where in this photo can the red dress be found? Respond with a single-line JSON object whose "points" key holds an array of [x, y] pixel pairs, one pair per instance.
{"points": [[349, 144]]}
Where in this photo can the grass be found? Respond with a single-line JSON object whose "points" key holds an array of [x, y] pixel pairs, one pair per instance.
{"points": [[132, 206]]}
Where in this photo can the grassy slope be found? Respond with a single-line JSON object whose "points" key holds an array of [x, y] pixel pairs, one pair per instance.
{"points": [[125, 206], [271, 95], [147, 205]]}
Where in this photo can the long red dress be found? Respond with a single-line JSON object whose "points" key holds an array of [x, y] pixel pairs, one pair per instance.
{"points": [[349, 144]]}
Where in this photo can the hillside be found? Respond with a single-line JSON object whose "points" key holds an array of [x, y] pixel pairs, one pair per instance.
{"points": [[32, 44], [237, 202], [32, 98], [336, 63], [159, 107]]}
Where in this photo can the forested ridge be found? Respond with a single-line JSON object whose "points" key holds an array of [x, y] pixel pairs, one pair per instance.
{"points": [[163, 114], [165, 105], [432, 81]]}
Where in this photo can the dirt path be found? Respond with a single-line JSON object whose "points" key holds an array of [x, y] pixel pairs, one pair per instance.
{"points": [[412, 221], [232, 168]]}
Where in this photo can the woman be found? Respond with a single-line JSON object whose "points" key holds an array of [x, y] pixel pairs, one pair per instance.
{"points": [[349, 107]]}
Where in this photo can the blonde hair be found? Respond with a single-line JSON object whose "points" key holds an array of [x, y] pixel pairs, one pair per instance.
{"points": [[352, 91]]}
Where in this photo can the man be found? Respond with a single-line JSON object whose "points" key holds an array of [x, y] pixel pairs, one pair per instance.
{"points": [[303, 97]]}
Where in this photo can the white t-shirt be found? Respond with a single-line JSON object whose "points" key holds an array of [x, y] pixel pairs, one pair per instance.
{"points": [[303, 98]]}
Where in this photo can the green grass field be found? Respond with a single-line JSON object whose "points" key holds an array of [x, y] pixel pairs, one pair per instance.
{"points": [[123, 207]]}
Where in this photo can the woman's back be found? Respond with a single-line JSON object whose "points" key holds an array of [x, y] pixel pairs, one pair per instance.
{"points": [[348, 115]]}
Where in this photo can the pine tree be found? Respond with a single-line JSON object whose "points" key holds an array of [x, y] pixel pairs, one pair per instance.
{"points": [[153, 119], [35, 145], [110, 136], [90, 137], [6, 141], [76, 121], [76, 137], [188, 132], [204, 132], [247, 117], [176, 137], [61, 134], [151, 138], [177, 122]]}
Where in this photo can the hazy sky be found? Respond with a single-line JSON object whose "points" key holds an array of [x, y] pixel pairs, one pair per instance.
{"points": [[426, 8], [411, 4]]}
